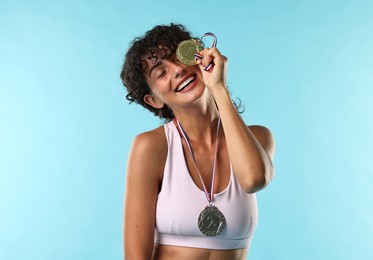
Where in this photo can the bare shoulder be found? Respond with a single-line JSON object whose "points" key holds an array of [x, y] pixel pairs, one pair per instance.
{"points": [[264, 137], [148, 152], [154, 140]]}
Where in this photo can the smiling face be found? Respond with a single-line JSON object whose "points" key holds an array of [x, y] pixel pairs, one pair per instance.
{"points": [[145, 52], [171, 82]]}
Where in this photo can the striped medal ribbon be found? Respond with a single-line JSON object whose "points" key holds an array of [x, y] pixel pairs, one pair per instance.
{"points": [[199, 56], [211, 221]]}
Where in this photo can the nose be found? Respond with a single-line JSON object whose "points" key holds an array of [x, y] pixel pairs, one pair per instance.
{"points": [[176, 68]]}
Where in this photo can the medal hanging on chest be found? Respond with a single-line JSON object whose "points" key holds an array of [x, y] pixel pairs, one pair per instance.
{"points": [[211, 221]]}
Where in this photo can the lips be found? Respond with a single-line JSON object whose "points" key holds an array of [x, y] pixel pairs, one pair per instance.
{"points": [[186, 83]]}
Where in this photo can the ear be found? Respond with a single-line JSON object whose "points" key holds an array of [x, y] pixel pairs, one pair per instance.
{"points": [[153, 101]]}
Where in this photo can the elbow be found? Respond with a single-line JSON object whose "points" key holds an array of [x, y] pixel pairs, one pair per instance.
{"points": [[255, 186], [137, 252], [259, 182]]}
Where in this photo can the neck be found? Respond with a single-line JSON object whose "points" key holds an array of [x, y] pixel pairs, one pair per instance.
{"points": [[200, 125]]}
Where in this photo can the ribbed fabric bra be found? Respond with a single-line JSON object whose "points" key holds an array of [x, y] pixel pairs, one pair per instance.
{"points": [[180, 202]]}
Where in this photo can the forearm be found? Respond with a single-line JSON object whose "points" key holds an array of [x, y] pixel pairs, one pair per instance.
{"points": [[251, 164]]}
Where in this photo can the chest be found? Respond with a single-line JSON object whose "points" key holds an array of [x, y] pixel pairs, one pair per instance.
{"points": [[182, 199], [204, 164]]}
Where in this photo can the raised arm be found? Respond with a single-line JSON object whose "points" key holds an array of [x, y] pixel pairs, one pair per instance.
{"points": [[144, 173], [250, 149]]}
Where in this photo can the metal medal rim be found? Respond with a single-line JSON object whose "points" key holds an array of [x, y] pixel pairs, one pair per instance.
{"points": [[181, 56], [211, 210]]}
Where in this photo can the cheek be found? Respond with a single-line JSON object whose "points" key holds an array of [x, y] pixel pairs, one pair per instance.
{"points": [[163, 85], [155, 86], [197, 70], [159, 90]]}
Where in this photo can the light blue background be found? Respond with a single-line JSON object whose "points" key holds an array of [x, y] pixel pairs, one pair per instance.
{"points": [[302, 68]]}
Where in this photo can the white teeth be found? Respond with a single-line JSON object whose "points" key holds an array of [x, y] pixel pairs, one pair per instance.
{"points": [[185, 83]]}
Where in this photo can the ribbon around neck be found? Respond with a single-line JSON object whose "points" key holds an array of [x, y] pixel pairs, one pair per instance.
{"points": [[209, 196]]}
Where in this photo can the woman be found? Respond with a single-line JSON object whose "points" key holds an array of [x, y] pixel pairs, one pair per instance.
{"points": [[190, 184]]}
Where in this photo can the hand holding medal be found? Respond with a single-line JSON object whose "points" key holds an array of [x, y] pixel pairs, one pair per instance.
{"points": [[191, 52]]}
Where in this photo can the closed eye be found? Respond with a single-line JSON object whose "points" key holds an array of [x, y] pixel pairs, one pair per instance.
{"points": [[161, 74]]}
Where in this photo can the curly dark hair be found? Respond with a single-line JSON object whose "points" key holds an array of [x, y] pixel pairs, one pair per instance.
{"points": [[157, 43]]}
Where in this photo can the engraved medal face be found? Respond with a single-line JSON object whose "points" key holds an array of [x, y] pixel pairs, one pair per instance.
{"points": [[185, 51], [211, 221]]}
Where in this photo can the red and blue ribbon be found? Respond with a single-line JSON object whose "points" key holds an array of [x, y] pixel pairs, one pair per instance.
{"points": [[199, 56], [210, 197]]}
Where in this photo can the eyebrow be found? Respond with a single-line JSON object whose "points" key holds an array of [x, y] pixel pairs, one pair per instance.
{"points": [[159, 63]]}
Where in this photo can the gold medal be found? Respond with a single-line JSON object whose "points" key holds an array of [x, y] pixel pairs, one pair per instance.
{"points": [[185, 51]]}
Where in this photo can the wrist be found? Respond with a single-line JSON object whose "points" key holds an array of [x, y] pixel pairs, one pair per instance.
{"points": [[219, 90], [221, 96]]}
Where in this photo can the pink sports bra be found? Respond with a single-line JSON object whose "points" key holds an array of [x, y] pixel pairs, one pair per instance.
{"points": [[180, 202]]}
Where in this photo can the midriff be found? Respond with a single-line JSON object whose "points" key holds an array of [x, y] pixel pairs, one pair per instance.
{"points": [[165, 252]]}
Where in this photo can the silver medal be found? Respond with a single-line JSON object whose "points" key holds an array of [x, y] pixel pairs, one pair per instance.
{"points": [[211, 222]]}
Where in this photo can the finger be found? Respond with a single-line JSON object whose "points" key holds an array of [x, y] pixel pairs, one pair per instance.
{"points": [[209, 67], [212, 54], [207, 57], [197, 56], [218, 57], [198, 61]]}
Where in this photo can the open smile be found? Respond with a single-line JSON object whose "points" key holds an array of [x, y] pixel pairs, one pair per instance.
{"points": [[185, 83]]}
